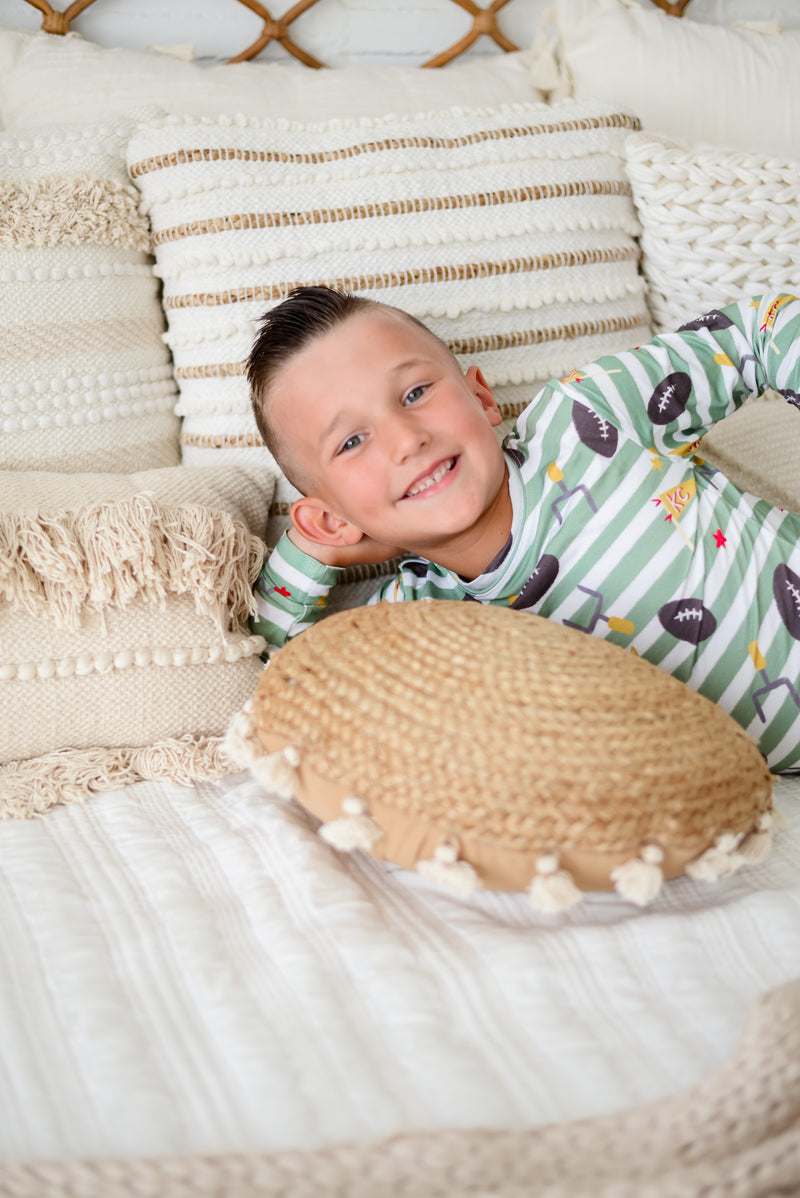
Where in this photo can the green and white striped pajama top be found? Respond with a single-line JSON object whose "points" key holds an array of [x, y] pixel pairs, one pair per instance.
{"points": [[622, 530]]}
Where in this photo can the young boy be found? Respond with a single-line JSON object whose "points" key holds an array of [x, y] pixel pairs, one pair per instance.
{"points": [[594, 512]]}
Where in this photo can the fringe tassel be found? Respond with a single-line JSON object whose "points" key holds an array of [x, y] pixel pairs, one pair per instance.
{"points": [[444, 868], [355, 828], [552, 889], [30, 788], [107, 554], [640, 879], [718, 861], [757, 846]]}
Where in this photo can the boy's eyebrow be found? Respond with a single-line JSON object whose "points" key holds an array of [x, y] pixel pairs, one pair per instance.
{"points": [[337, 418]]}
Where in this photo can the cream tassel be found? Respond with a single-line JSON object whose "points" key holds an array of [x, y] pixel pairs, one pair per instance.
{"points": [[31, 787], [718, 861], [355, 829], [447, 871], [552, 889], [241, 742], [640, 879], [757, 846], [277, 772]]}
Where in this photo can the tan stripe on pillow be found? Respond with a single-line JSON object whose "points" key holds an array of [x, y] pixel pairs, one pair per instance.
{"points": [[418, 204], [160, 162]]}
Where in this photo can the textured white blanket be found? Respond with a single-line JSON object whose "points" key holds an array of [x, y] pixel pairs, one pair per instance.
{"points": [[187, 971]]}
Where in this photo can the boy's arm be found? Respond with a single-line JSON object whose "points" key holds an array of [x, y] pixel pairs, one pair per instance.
{"points": [[290, 593], [670, 391], [292, 590]]}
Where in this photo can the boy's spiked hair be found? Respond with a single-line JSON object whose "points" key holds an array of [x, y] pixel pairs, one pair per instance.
{"points": [[285, 330]]}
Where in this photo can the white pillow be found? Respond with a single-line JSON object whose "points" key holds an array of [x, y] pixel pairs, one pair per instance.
{"points": [[510, 231], [717, 224], [730, 86], [41, 74], [85, 378]]}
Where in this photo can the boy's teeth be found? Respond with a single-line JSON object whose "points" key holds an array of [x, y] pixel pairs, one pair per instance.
{"points": [[432, 479]]}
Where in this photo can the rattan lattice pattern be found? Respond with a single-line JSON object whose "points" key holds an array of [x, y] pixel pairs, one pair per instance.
{"points": [[276, 29]]}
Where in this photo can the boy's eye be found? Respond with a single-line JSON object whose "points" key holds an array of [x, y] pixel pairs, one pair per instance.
{"points": [[415, 393], [351, 442]]}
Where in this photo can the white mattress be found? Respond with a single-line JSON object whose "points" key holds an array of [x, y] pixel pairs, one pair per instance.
{"points": [[194, 970]]}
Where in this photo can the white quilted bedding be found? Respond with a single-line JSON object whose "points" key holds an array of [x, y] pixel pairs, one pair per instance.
{"points": [[191, 970]]}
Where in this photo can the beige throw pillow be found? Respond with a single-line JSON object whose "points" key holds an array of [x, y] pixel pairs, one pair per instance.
{"points": [[552, 779], [123, 622], [85, 378]]}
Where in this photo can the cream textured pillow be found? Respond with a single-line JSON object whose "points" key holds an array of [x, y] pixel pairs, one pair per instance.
{"points": [[721, 225], [123, 622], [85, 378], [41, 74], [510, 231], [717, 224], [732, 86]]}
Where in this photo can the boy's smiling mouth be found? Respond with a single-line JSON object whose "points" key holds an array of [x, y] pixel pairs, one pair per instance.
{"points": [[426, 481]]}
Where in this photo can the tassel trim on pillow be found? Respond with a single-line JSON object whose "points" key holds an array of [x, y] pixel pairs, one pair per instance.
{"points": [[31, 787], [105, 555]]}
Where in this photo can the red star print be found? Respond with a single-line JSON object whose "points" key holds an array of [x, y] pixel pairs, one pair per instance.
{"points": [[282, 591], [720, 539]]}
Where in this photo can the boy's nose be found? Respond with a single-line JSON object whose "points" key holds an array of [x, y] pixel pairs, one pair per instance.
{"points": [[404, 436]]}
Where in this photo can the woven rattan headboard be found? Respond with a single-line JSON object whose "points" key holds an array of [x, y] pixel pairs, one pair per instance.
{"points": [[485, 23]]}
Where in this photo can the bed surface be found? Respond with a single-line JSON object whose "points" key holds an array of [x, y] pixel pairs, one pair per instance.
{"points": [[188, 970]]}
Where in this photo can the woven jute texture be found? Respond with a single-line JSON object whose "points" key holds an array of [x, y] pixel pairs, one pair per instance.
{"points": [[735, 1135], [511, 729]]}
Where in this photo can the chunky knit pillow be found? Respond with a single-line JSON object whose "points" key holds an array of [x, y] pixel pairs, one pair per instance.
{"points": [[720, 225], [485, 748]]}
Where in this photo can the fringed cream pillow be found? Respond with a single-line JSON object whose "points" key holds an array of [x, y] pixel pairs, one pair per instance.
{"points": [[483, 749], [124, 648], [509, 230], [720, 225], [85, 378]]}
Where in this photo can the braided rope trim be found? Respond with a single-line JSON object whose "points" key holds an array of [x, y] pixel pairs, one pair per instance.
{"points": [[736, 1134]]}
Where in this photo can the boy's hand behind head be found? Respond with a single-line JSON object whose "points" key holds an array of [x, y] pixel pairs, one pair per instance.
{"points": [[365, 552]]}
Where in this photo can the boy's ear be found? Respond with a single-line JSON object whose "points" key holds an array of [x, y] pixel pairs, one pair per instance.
{"points": [[485, 396], [316, 522]]}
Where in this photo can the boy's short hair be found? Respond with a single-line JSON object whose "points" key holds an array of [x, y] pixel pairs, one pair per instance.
{"points": [[307, 313]]}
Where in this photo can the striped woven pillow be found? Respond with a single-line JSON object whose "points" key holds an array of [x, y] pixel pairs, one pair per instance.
{"points": [[85, 379], [509, 231]]}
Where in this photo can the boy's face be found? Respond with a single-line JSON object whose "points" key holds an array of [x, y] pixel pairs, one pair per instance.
{"points": [[398, 441]]}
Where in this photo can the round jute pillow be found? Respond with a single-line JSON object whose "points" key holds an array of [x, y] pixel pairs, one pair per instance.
{"points": [[486, 747]]}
